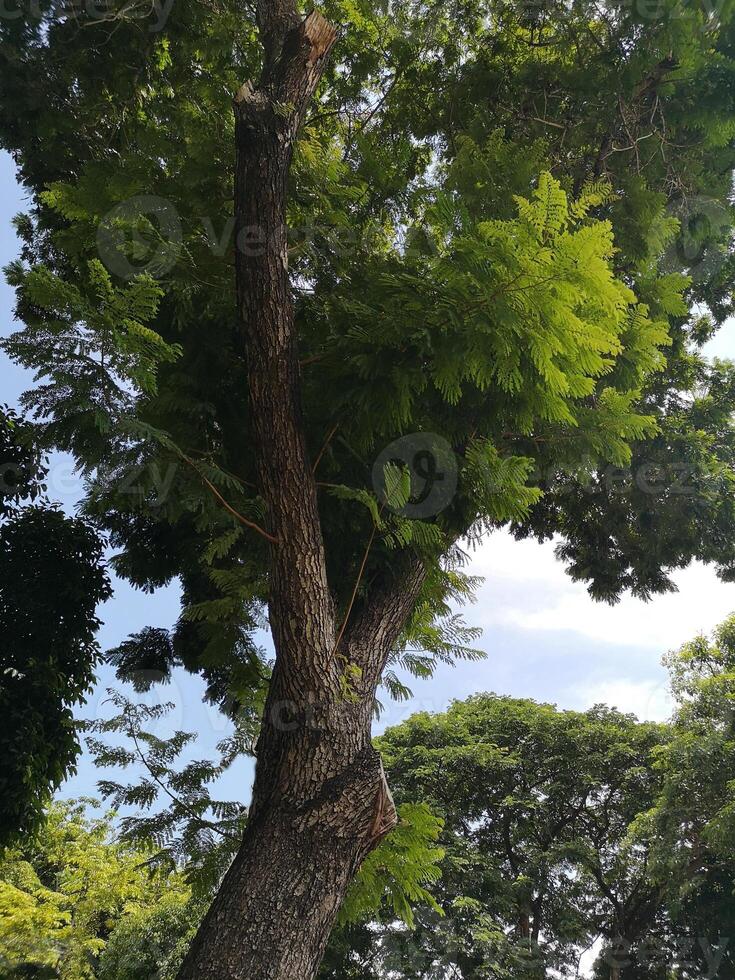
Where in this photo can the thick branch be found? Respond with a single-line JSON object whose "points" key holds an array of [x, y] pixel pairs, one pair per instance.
{"points": [[301, 63], [275, 19], [277, 15], [374, 629], [639, 106], [295, 56], [267, 122]]}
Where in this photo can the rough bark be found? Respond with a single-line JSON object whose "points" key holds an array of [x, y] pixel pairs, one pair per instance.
{"points": [[320, 801], [317, 813]]}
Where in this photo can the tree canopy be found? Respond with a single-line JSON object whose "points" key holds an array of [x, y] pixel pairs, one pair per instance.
{"points": [[71, 893], [528, 836], [568, 832], [315, 298], [504, 231]]}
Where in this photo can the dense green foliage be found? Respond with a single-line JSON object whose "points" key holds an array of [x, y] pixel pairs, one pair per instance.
{"points": [[556, 830], [52, 578], [568, 831], [693, 823], [507, 223], [511, 234], [65, 891], [21, 471]]}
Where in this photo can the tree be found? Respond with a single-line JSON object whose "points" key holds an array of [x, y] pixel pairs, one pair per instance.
{"points": [[52, 578], [22, 473], [65, 891], [485, 252], [693, 823], [559, 830], [537, 806], [563, 830], [151, 941]]}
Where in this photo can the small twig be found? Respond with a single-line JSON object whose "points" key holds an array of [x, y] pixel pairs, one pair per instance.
{"points": [[318, 116], [314, 359], [368, 118], [228, 507], [177, 801], [354, 591], [324, 448], [547, 122]]}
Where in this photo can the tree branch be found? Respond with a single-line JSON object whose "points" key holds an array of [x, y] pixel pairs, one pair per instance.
{"points": [[179, 802], [355, 590], [295, 55], [376, 627]]}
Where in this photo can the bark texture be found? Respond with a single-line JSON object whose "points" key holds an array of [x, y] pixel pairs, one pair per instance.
{"points": [[320, 800]]}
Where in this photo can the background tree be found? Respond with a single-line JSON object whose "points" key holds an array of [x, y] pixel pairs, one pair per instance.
{"points": [[52, 578], [559, 832], [537, 807], [65, 891], [693, 822], [513, 280], [565, 831]]}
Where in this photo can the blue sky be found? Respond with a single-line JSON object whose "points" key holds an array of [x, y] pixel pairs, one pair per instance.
{"points": [[544, 637]]}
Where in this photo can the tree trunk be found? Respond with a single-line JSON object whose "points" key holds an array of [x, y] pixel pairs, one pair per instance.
{"points": [[274, 913], [320, 800], [320, 805]]}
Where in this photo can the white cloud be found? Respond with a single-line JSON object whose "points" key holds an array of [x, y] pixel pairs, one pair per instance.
{"points": [[526, 587], [648, 700]]}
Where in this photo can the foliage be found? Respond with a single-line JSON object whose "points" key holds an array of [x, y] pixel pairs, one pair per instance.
{"points": [[66, 890], [52, 578], [399, 869], [174, 814], [526, 834], [564, 828], [485, 245], [693, 821], [21, 470], [75, 324], [150, 941]]}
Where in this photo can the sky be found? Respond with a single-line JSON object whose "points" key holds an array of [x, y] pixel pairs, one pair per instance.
{"points": [[543, 636]]}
